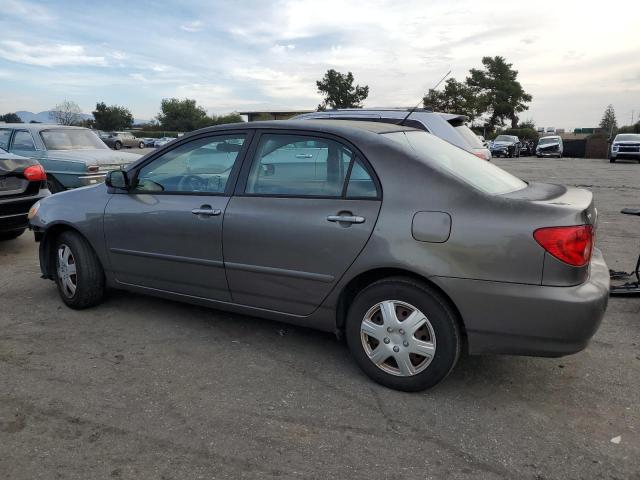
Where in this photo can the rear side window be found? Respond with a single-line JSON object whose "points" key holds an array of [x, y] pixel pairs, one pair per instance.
{"points": [[471, 138], [298, 165], [361, 185], [22, 140], [478, 173], [4, 138]]}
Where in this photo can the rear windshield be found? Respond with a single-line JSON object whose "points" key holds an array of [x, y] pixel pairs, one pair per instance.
{"points": [[478, 173], [71, 139], [471, 138]]}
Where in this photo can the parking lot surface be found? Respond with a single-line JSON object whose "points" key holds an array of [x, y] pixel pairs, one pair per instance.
{"points": [[143, 388]]}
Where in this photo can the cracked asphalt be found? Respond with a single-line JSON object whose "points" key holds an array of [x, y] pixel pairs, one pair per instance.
{"points": [[143, 388]]}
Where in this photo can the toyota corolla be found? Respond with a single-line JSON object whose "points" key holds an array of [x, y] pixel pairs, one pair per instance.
{"points": [[410, 248]]}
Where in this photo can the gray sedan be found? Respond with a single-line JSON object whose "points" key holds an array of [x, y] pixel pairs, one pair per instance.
{"points": [[410, 248]]}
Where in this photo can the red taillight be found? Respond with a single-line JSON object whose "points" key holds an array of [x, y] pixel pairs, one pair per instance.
{"points": [[572, 245], [34, 173]]}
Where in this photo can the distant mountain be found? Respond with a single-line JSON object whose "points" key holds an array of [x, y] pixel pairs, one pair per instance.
{"points": [[45, 117]]}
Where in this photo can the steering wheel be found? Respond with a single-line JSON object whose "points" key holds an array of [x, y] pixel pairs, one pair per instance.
{"points": [[191, 183]]}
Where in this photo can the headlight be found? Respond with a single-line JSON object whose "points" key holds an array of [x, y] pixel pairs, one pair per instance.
{"points": [[33, 210], [615, 147]]}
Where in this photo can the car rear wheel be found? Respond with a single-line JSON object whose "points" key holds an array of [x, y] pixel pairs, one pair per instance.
{"points": [[403, 334], [141, 145], [79, 275], [117, 145], [11, 235]]}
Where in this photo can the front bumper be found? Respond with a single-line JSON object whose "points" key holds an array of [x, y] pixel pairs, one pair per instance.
{"points": [[536, 320], [547, 153]]}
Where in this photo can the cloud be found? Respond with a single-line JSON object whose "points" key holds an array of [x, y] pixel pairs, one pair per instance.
{"points": [[26, 11], [195, 26], [48, 55]]}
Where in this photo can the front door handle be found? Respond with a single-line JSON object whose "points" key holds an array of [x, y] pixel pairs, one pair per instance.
{"points": [[304, 155], [345, 218], [206, 211]]}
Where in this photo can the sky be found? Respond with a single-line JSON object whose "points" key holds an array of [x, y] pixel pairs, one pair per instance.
{"points": [[574, 58]]}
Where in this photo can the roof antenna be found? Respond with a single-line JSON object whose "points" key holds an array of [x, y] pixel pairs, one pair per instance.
{"points": [[415, 108]]}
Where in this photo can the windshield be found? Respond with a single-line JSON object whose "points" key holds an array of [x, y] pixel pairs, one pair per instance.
{"points": [[471, 138], [504, 138], [626, 137], [544, 141], [71, 139], [476, 172]]}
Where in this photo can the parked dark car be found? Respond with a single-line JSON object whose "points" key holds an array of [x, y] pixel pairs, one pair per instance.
{"points": [[449, 127], [23, 182], [408, 246], [505, 146], [117, 140], [625, 145], [72, 156], [526, 147]]}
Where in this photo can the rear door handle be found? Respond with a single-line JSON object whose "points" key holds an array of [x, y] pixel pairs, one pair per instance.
{"points": [[345, 218], [207, 212]]}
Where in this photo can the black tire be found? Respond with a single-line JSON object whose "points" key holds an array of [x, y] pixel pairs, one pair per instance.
{"points": [[11, 235], [441, 317], [89, 276], [612, 160], [141, 145], [117, 146], [53, 185]]}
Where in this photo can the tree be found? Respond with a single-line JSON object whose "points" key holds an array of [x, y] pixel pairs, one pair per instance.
{"points": [[528, 124], [66, 113], [10, 118], [609, 123], [498, 91], [339, 91], [456, 97], [112, 117], [222, 119], [181, 115]]}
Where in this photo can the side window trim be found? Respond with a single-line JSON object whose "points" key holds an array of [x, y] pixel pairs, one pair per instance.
{"points": [[250, 153], [9, 138], [249, 135]]}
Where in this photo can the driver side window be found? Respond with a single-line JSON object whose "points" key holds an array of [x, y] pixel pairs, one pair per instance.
{"points": [[200, 166]]}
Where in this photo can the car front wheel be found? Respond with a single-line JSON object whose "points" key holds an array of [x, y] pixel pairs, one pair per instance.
{"points": [[612, 160], [403, 334], [79, 275], [117, 146], [141, 145]]}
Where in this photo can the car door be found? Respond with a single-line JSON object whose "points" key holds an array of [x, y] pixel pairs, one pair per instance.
{"points": [[303, 210], [165, 233]]}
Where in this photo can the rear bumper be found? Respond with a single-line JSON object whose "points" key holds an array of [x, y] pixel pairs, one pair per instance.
{"points": [[13, 211], [536, 320]]}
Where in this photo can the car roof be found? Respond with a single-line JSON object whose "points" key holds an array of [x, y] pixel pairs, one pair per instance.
{"points": [[39, 126], [327, 126]]}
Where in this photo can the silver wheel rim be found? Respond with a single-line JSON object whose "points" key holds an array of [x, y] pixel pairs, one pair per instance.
{"points": [[67, 271], [398, 338]]}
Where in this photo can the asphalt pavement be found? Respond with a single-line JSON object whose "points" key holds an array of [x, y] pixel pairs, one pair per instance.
{"points": [[143, 388]]}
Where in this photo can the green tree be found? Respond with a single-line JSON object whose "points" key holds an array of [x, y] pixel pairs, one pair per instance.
{"points": [[181, 115], [339, 92], [498, 91], [10, 118], [528, 124], [66, 113], [222, 119], [112, 117], [609, 123], [456, 97]]}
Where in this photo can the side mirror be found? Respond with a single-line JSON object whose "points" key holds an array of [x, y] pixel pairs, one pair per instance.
{"points": [[117, 179]]}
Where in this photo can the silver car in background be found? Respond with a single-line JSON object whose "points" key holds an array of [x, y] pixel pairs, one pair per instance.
{"points": [[625, 145], [550, 146], [411, 248], [447, 126]]}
